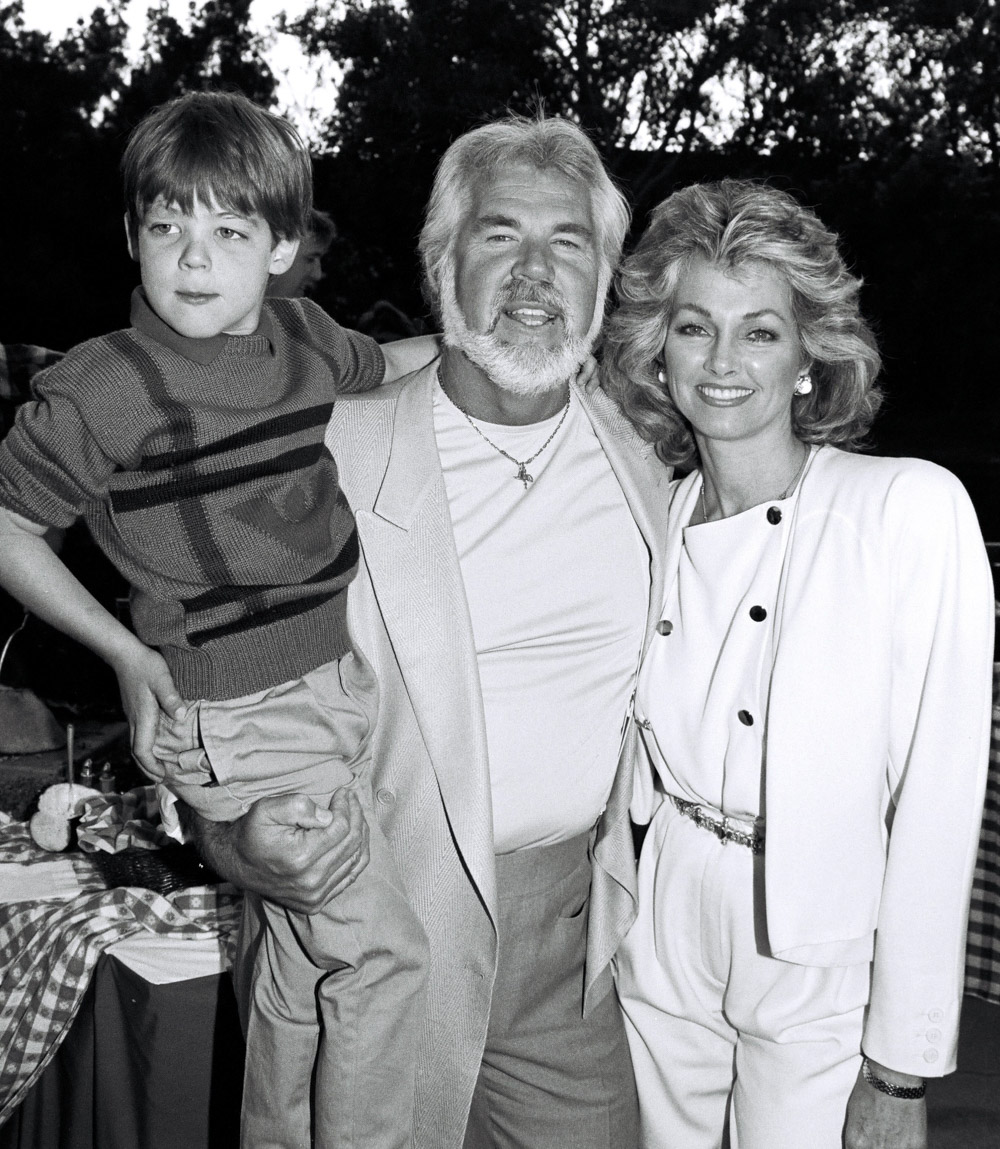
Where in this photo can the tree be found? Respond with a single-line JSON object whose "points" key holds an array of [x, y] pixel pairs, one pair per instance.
{"points": [[668, 78], [58, 196], [215, 48], [416, 77]]}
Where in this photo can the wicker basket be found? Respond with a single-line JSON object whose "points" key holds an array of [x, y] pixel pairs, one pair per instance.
{"points": [[164, 870]]}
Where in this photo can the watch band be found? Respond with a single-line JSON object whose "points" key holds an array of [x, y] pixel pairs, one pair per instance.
{"points": [[903, 1092]]}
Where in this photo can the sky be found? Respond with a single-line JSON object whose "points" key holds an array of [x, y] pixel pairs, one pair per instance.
{"points": [[305, 90]]}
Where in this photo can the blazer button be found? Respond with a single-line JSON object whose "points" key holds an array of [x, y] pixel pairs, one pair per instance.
{"points": [[386, 797], [758, 613], [664, 626], [930, 1056], [774, 515], [933, 1035], [935, 1015], [745, 717]]}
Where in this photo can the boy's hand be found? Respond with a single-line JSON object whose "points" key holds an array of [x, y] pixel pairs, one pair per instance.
{"points": [[402, 356], [36, 576], [589, 375], [147, 687]]}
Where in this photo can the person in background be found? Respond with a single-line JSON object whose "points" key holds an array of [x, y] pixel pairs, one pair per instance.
{"points": [[306, 271], [384, 321], [511, 527], [814, 709], [19, 364], [192, 445]]}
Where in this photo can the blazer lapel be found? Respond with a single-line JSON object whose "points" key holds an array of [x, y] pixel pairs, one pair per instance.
{"points": [[410, 554], [645, 482]]}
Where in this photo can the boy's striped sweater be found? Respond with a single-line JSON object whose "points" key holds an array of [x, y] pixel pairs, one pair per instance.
{"points": [[200, 468]]}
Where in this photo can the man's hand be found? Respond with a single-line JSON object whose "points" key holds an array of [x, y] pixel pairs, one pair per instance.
{"points": [[288, 849], [877, 1121], [147, 687]]}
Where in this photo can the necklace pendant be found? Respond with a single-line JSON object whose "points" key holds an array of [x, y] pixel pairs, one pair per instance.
{"points": [[522, 474]]}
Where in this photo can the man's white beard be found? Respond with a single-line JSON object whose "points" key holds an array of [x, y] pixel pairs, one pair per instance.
{"points": [[522, 369]]}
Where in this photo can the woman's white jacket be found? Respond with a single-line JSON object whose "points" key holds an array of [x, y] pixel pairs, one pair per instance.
{"points": [[877, 738]]}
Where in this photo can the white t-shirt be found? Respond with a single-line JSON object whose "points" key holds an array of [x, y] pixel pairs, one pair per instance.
{"points": [[557, 580]]}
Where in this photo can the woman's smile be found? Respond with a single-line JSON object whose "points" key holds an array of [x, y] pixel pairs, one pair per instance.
{"points": [[717, 396]]}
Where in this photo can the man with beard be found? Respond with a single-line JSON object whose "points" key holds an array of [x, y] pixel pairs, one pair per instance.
{"points": [[510, 528]]}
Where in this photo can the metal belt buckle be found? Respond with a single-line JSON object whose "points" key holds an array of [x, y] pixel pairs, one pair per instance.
{"points": [[731, 832], [721, 829]]}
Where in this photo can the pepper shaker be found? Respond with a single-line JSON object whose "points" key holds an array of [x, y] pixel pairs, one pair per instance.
{"points": [[87, 776]]}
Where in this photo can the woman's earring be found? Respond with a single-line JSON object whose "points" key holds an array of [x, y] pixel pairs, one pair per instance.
{"points": [[659, 375], [804, 384]]}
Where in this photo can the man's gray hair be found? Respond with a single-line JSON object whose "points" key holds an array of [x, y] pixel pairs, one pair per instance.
{"points": [[555, 145]]}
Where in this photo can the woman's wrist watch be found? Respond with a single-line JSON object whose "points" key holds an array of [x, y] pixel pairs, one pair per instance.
{"points": [[903, 1092]]}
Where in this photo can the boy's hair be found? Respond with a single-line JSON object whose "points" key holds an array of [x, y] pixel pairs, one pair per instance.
{"points": [[221, 146]]}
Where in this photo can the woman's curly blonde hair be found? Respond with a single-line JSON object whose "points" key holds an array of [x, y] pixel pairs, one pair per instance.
{"points": [[732, 223]]}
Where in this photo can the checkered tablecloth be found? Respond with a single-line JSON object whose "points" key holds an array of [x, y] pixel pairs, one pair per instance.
{"points": [[982, 955], [48, 951]]}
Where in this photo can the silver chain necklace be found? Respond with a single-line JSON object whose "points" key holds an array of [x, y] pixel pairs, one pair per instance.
{"points": [[522, 467], [784, 494]]}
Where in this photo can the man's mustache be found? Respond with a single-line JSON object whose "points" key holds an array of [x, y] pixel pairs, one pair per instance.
{"points": [[518, 292]]}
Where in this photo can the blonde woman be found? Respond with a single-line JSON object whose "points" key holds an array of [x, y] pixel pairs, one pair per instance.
{"points": [[812, 710]]}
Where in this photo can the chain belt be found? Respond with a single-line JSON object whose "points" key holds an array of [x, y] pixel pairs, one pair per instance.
{"points": [[725, 828]]}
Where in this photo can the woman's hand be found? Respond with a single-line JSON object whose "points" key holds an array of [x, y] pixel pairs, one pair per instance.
{"points": [[877, 1121], [288, 849], [588, 375]]}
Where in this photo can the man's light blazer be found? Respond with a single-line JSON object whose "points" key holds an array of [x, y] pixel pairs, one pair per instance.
{"points": [[408, 613]]}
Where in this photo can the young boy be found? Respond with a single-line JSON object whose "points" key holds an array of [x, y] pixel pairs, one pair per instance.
{"points": [[192, 444]]}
